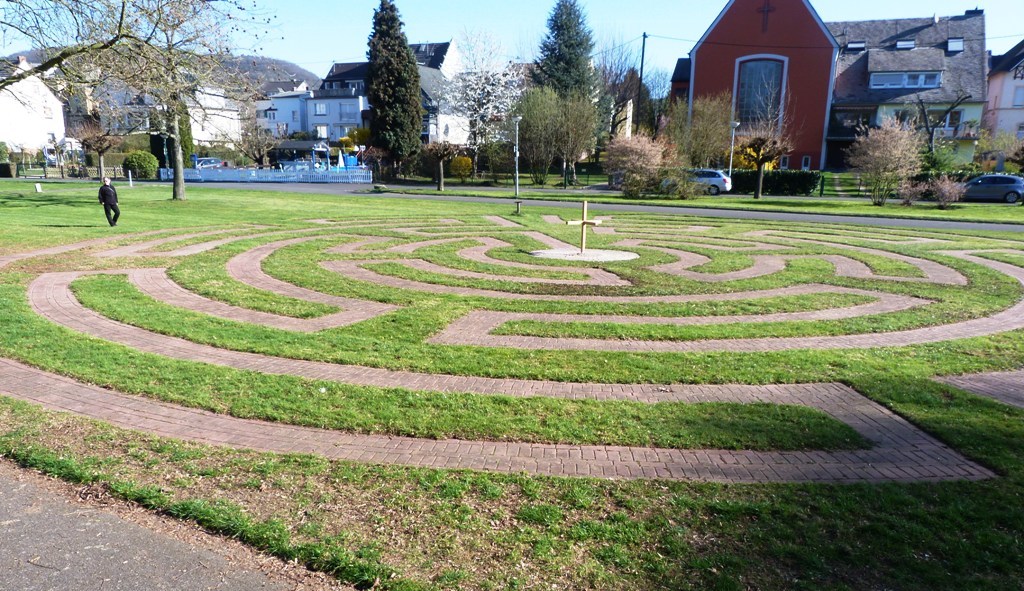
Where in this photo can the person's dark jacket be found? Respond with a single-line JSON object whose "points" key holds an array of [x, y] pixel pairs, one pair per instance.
{"points": [[108, 195]]}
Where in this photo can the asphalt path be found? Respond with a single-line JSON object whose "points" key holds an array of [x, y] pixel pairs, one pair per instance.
{"points": [[736, 214], [51, 540]]}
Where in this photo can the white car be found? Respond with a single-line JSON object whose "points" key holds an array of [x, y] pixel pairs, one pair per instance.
{"points": [[716, 181], [209, 163]]}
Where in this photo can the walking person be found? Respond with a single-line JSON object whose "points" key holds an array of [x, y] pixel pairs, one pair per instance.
{"points": [[108, 197]]}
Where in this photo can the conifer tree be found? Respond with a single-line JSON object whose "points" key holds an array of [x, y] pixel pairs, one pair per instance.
{"points": [[564, 64], [393, 87]]}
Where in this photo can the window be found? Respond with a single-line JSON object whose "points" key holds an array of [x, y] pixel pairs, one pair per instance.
{"points": [[784, 163], [321, 132], [271, 115], [805, 163], [950, 120], [319, 108], [1020, 131], [348, 112], [1018, 96], [856, 46], [906, 80], [295, 115], [905, 44], [955, 44], [887, 80], [759, 90]]}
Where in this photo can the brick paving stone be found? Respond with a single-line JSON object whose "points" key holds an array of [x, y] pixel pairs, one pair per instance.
{"points": [[1004, 386], [930, 459]]}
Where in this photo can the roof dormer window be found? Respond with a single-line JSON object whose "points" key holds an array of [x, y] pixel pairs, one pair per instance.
{"points": [[955, 44], [905, 44], [856, 46]]}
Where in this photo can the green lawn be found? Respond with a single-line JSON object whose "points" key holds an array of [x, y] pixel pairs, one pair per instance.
{"points": [[411, 529]]}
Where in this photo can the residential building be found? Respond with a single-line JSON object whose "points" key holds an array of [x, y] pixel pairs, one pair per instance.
{"points": [[1005, 110], [33, 116], [340, 104], [906, 68], [825, 81], [283, 112], [215, 118]]}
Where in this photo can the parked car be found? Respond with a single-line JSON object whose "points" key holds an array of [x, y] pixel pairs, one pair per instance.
{"points": [[716, 181], [209, 163], [995, 187]]}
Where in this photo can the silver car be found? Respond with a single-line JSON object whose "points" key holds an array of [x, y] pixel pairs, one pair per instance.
{"points": [[995, 187], [715, 181]]}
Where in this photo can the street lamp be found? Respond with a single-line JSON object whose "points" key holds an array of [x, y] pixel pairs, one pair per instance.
{"points": [[516, 120], [732, 143]]}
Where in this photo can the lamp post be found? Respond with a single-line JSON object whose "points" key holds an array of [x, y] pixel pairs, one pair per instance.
{"points": [[516, 120], [732, 143]]}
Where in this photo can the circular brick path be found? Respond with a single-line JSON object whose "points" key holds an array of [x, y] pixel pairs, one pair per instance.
{"points": [[901, 452]]}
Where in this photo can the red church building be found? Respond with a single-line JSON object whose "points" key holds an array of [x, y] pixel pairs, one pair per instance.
{"points": [[777, 59]]}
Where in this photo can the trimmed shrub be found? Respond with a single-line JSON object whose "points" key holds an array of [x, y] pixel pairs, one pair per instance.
{"points": [[777, 182], [5, 153], [142, 165], [461, 167]]}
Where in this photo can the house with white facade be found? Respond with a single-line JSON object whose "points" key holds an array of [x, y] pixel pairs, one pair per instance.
{"points": [[1005, 110], [33, 116], [340, 104], [281, 107], [215, 118]]}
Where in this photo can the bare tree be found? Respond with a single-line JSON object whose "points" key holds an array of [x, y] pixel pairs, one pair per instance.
{"points": [[484, 91], [442, 152], [931, 120], [575, 131], [98, 138], [256, 141], [762, 144], [617, 68], [704, 137], [179, 57], [538, 131], [66, 33], [887, 156]]}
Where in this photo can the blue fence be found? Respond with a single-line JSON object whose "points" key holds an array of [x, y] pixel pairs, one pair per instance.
{"points": [[254, 175]]}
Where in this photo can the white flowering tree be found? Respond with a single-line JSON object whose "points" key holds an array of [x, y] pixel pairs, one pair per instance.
{"points": [[484, 90]]}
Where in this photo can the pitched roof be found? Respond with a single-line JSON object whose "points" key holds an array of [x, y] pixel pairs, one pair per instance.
{"points": [[1009, 60], [962, 71], [430, 55], [347, 71], [431, 82], [682, 71]]}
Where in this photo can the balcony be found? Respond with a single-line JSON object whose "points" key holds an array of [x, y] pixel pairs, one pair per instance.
{"points": [[338, 93], [964, 131]]}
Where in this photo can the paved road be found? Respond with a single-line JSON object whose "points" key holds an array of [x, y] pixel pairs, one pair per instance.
{"points": [[660, 209], [49, 541]]}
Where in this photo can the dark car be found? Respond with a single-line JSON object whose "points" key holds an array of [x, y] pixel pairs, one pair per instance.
{"points": [[995, 187]]}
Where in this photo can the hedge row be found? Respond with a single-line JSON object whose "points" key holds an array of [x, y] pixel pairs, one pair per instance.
{"points": [[777, 182], [956, 175]]}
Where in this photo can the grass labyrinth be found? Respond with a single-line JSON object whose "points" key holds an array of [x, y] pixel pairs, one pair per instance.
{"points": [[762, 393]]}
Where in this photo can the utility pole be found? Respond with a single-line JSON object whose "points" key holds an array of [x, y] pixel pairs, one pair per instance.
{"points": [[643, 52]]}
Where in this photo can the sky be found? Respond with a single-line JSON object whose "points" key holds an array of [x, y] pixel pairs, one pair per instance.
{"points": [[315, 35]]}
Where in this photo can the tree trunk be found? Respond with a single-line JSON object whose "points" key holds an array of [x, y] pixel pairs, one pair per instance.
{"points": [[760, 180], [440, 174], [178, 192], [102, 169]]}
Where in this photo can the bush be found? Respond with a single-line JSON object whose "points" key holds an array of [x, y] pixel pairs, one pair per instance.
{"points": [[5, 153], [142, 165], [946, 191], [109, 159], [777, 182], [636, 160], [461, 167]]}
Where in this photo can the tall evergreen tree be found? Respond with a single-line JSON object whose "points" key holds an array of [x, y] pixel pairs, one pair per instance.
{"points": [[564, 64], [393, 87]]}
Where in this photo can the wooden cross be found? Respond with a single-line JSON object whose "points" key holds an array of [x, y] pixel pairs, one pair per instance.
{"points": [[766, 10], [583, 223]]}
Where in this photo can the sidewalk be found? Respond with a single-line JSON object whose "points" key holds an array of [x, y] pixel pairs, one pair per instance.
{"points": [[51, 539]]}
